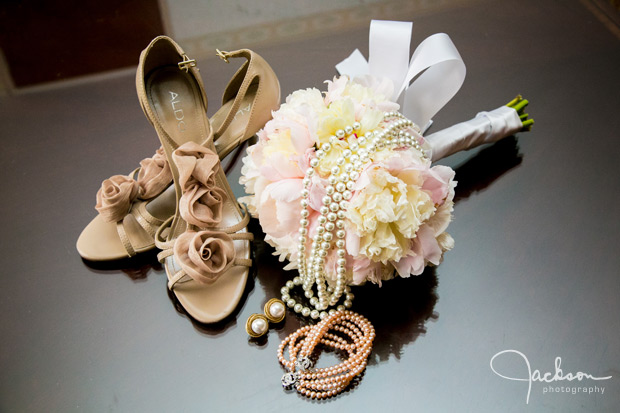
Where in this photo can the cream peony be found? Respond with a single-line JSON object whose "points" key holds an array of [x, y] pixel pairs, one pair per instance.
{"points": [[386, 213]]}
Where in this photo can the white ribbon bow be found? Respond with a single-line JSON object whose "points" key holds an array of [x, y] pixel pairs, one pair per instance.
{"points": [[436, 68]]}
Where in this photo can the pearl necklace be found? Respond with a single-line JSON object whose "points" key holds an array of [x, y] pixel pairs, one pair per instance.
{"points": [[352, 333], [392, 133]]}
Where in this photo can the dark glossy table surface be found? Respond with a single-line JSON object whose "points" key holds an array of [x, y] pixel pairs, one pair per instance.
{"points": [[536, 266]]}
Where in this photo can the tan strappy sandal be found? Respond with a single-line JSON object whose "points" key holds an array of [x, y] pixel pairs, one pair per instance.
{"points": [[205, 244], [248, 101], [131, 209]]}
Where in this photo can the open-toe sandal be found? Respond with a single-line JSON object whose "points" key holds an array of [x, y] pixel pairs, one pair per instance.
{"points": [[205, 244], [132, 207]]}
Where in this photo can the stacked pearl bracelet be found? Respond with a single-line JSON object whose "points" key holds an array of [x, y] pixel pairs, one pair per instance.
{"points": [[343, 330], [392, 133]]}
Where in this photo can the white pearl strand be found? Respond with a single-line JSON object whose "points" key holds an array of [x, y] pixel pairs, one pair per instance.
{"points": [[335, 203]]}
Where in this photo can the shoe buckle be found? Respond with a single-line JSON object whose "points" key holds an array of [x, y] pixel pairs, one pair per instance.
{"points": [[222, 55], [187, 63]]}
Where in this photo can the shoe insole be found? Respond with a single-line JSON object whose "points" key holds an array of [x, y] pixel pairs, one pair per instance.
{"points": [[177, 103], [229, 139], [163, 206], [175, 98]]}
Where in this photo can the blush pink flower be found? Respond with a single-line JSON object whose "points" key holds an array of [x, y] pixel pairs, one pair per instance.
{"points": [[278, 207]]}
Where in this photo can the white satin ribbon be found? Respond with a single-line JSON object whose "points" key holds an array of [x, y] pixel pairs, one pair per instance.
{"points": [[436, 68], [486, 127]]}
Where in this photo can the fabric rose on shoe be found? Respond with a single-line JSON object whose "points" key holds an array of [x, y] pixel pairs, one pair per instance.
{"points": [[154, 175], [202, 201], [204, 255], [115, 196]]}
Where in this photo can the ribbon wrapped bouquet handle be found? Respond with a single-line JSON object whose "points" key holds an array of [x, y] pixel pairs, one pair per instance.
{"points": [[426, 82]]}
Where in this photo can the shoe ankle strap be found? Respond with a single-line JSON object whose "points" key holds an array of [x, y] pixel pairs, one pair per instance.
{"points": [[254, 70]]}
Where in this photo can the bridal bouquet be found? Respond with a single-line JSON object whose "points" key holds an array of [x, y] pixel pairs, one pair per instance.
{"points": [[369, 160], [342, 182]]}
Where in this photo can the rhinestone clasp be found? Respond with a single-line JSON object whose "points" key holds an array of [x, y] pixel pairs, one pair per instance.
{"points": [[289, 380], [303, 363], [187, 63]]}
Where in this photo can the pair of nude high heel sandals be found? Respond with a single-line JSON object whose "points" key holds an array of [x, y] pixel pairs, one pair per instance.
{"points": [[179, 200]]}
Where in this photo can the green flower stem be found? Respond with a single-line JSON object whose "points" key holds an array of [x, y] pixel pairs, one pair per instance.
{"points": [[519, 104], [527, 124], [514, 101]]}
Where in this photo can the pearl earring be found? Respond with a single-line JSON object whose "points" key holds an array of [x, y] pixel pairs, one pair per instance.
{"points": [[275, 310], [258, 324]]}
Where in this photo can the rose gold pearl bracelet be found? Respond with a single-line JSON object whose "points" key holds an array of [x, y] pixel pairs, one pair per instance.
{"points": [[342, 330]]}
